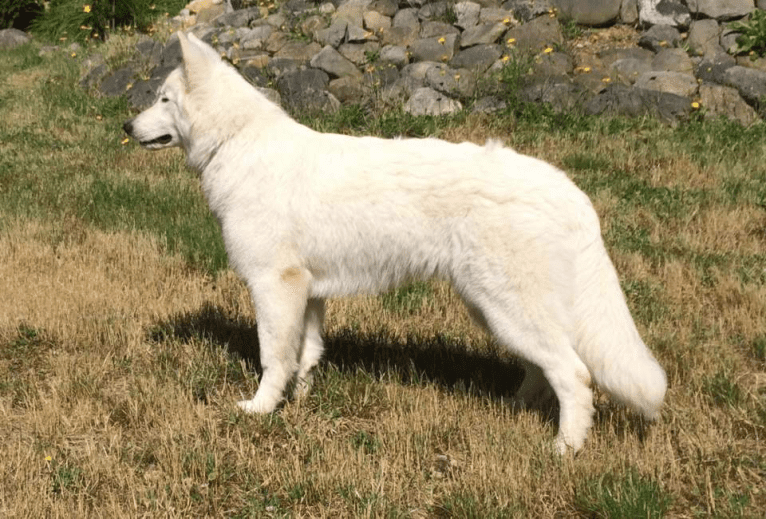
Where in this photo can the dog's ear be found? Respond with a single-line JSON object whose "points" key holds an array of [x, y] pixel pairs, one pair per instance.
{"points": [[199, 59]]}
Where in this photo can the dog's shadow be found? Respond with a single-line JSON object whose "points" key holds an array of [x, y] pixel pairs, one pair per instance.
{"points": [[440, 359]]}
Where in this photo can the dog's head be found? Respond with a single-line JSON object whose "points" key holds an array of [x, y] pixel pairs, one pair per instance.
{"points": [[166, 124]]}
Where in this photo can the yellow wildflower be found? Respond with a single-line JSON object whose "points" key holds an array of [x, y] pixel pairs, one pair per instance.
{"points": [[507, 21], [505, 59], [86, 8], [695, 105], [125, 141], [606, 79], [511, 41], [442, 40], [548, 50]]}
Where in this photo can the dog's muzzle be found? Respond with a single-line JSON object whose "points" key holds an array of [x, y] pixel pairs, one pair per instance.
{"points": [[162, 139]]}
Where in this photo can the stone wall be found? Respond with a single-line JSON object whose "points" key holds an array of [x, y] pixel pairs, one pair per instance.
{"points": [[666, 57]]}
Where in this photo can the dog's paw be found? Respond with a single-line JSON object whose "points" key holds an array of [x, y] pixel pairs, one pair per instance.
{"points": [[256, 406]]}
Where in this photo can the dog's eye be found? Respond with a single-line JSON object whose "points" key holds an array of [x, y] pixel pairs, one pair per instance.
{"points": [[164, 99]]}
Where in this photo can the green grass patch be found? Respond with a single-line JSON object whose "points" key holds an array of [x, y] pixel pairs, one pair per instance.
{"points": [[622, 495]]}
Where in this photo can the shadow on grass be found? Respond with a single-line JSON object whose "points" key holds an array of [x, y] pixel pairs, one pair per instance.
{"points": [[416, 361]]}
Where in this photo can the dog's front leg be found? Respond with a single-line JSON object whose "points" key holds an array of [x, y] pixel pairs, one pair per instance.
{"points": [[280, 304]]}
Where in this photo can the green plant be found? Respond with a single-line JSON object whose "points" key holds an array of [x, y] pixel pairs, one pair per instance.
{"points": [[18, 13], [81, 20], [628, 495], [752, 36], [724, 391], [408, 299]]}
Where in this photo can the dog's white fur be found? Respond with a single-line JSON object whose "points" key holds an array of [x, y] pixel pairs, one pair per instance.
{"points": [[306, 216]]}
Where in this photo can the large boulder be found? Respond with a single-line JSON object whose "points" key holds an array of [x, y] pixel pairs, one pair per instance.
{"points": [[590, 12]]}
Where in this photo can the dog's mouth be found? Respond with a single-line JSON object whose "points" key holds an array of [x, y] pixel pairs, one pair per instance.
{"points": [[162, 139]]}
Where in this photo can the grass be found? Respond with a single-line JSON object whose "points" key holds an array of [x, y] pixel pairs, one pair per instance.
{"points": [[125, 340]]}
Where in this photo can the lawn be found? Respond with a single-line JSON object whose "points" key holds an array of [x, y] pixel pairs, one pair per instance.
{"points": [[125, 339]]}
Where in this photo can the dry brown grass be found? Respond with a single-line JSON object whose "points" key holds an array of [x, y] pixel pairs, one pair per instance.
{"points": [[120, 360]]}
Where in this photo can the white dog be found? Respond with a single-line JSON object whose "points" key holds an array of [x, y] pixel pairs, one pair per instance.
{"points": [[306, 216]]}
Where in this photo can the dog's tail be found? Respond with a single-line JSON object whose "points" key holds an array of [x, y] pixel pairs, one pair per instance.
{"points": [[607, 339]]}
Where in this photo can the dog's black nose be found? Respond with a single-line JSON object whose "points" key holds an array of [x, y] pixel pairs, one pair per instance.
{"points": [[128, 127]]}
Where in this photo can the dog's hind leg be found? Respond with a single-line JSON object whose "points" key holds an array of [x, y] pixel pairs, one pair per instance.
{"points": [[533, 332], [312, 346], [280, 304]]}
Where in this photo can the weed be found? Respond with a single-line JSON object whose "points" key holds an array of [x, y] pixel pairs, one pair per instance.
{"points": [[625, 495], [81, 20], [752, 36], [722, 389], [408, 299]]}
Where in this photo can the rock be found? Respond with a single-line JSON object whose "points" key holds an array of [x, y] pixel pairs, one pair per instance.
{"points": [[663, 12], [432, 10], [589, 12], [427, 101], [750, 83], [527, 10], [359, 35], [631, 101], [399, 36], [660, 37], [594, 80], [351, 12], [482, 34], [94, 75], [360, 53], [434, 49], [609, 56], [713, 68], [384, 7], [418, 71], [673, 60], [552, 64], [271, 94], [312, 24], [307, 90], [144, 92], [407, 18], [171, 53], [333, 35], [435, 29], [628, 70], [374, 21], [256, 38], [348, 89], [332, 62], [676, 83], [560, 95], [720, 9], [395, 55], [276, 41], [629, 12], [477, 58], [488, 105], [467, 14], [255, 75], [117, 83], [277, 67], [492, 15], [703, 38], [298, 50], [722, 101], [536, 35], [240, 18], [454, 83], [380, 76]]}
